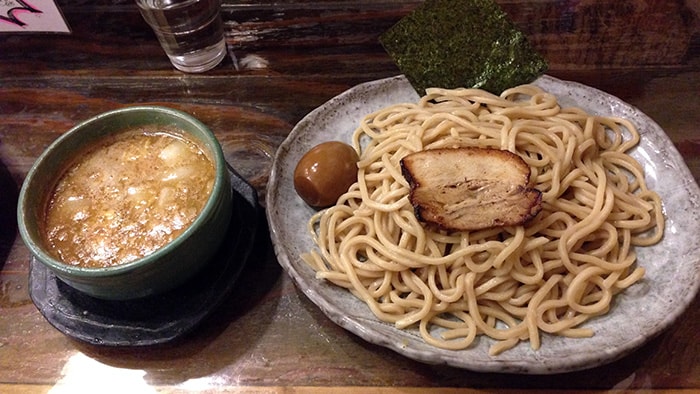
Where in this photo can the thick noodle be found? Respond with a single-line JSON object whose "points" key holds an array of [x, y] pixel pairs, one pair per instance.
{"points": [[511, 284]]}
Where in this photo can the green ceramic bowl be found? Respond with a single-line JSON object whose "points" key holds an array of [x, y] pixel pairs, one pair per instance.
{"points": [[167, 267]]}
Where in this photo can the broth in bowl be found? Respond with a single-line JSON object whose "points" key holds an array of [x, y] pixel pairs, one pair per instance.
{"points": [[154, 163], [127, 196]]}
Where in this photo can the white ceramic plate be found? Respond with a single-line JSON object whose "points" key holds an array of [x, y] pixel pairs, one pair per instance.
{"points": [[640, 313]]}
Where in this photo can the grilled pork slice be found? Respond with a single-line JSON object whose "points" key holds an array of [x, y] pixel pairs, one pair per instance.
{"points": [[465, 189]]}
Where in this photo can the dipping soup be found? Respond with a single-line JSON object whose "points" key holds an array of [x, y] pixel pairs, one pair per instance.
{"points": [[127, 196]]}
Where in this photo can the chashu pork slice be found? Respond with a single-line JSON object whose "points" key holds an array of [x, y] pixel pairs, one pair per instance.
{"points": [[466, 189]]}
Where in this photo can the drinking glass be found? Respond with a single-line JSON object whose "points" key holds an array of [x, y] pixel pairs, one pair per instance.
{"points": [[190, 31]]}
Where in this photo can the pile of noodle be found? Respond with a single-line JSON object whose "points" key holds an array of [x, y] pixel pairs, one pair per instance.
{"points": [[511, 284]]}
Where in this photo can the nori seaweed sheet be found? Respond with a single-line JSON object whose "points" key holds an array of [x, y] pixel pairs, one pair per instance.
{"points": [[462, 43]]}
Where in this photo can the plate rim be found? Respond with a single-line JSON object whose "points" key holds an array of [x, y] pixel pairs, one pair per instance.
{"points": [[534, 365]]}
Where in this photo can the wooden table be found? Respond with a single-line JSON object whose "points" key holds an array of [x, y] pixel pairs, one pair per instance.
{"points": [[285, 59]]}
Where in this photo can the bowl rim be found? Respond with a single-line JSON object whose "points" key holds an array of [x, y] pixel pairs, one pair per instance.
{"points": [[75, 272]]}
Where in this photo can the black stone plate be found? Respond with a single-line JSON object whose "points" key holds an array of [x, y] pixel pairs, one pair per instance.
{"points": [[160, 318]]}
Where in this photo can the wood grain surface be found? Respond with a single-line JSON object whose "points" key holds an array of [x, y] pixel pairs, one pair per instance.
{"points": [[286, 58]]}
